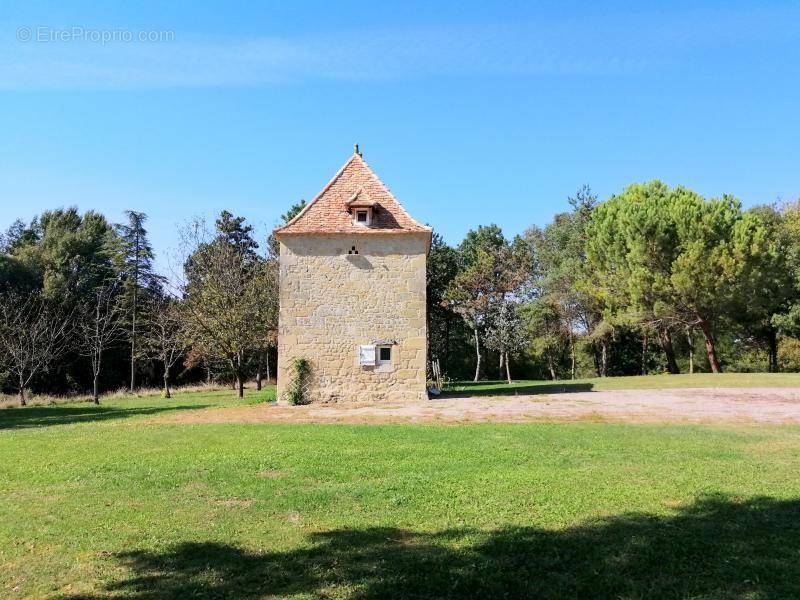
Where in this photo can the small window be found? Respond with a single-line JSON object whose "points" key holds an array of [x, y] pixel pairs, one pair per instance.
{"points": [[385, 354], [361, 216]]}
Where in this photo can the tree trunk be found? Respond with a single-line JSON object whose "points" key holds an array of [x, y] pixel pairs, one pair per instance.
{"points": [[596, 359], [551, 367], [644, 353], [167, 393], [508, 370], [501, 365], [239, 373], [772, 344], [690, 342], [447, 343], [665, 339], [22, 401], [266, 361], [95, 394], [573, 366], [711, 351], [133, 334], [478, 355], [603, 358], [258, 375]]}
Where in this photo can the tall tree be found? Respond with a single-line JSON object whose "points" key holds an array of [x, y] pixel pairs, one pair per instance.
{"points": [[442, 268], [674, 258], [545, 330], [562, 275], [487, 239], [722, 253], [18, 234], [63, 256], [100, 325], [235, 232], [768, 286], [494, 270], [227, 293], [633, 243], [136, 264], [69, 254], [787, 321]]}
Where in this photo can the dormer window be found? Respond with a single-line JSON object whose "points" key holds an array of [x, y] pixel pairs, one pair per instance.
{"points": [[362, 208], [362, 215]]}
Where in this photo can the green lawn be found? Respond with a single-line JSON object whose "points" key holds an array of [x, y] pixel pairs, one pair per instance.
{"points": [[114, 408], [733, 380], [106, 503]]}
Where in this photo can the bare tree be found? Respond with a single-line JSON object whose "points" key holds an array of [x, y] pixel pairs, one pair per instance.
{"points": [[165, 338], [34, 334], [101, 325], [505, 332]]}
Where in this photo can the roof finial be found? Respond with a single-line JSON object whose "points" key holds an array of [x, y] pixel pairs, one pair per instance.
{"points": [[355, 150]]}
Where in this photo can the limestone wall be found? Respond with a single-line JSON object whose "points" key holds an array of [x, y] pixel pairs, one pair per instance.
{"points": [[332, 301]]}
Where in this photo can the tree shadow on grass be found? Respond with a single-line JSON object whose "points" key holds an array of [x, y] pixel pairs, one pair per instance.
{"points": [[45, 416], [500, 388], [715, 548]]}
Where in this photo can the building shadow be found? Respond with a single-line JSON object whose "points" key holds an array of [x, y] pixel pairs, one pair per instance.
{"points": [[471, 389], [46, 416], [359, 260], [715, 548]]}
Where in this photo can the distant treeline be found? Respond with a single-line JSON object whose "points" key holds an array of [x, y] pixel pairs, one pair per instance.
{"points": [[81, 308], [651, 280]]}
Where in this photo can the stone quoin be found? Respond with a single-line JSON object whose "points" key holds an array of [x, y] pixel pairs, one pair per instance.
{"points": [[352, 292]]}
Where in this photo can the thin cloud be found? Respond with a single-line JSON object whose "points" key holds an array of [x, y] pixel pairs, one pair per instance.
{"points": [[620, 46], [380, 55]]}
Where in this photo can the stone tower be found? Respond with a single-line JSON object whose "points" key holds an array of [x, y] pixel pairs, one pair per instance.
{"points": [[352, 292]]}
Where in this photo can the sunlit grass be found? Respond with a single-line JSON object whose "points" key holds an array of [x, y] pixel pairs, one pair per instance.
{"points": [[121, 506]]}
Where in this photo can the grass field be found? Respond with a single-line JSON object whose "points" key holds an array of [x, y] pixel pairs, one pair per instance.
{"points": [[102, 502]]}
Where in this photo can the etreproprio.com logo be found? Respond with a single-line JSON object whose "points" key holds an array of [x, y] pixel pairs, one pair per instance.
{"points": [[44, 34]]}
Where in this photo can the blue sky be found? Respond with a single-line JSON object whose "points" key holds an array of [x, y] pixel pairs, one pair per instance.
{"points": [[472, 112]]}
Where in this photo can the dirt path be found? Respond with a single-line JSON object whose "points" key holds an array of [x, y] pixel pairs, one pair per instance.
{"points": [[701, 405]]}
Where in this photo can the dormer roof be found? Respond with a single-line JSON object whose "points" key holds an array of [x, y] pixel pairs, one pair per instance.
{"points": [[361, 199], [355, 185]]}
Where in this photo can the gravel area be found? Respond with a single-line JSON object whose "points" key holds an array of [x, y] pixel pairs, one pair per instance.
{"points": [[696, 405]]}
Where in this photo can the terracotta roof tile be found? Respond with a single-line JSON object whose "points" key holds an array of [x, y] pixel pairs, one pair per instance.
{"points": [[355, 182]]}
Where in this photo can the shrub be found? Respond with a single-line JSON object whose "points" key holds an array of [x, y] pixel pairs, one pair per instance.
{"points": [[296, 391]]}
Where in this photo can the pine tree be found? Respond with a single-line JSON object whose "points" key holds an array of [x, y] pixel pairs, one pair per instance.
{"points": [[136, 265]]}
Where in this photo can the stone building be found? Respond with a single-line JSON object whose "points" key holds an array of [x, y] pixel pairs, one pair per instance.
{"points": [[352, 292]]}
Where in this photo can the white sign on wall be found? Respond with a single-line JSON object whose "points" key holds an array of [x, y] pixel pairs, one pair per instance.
{"points": [[366, 355]]}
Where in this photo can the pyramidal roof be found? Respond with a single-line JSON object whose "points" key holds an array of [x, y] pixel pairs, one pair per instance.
{"points": [[355, 185]]}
